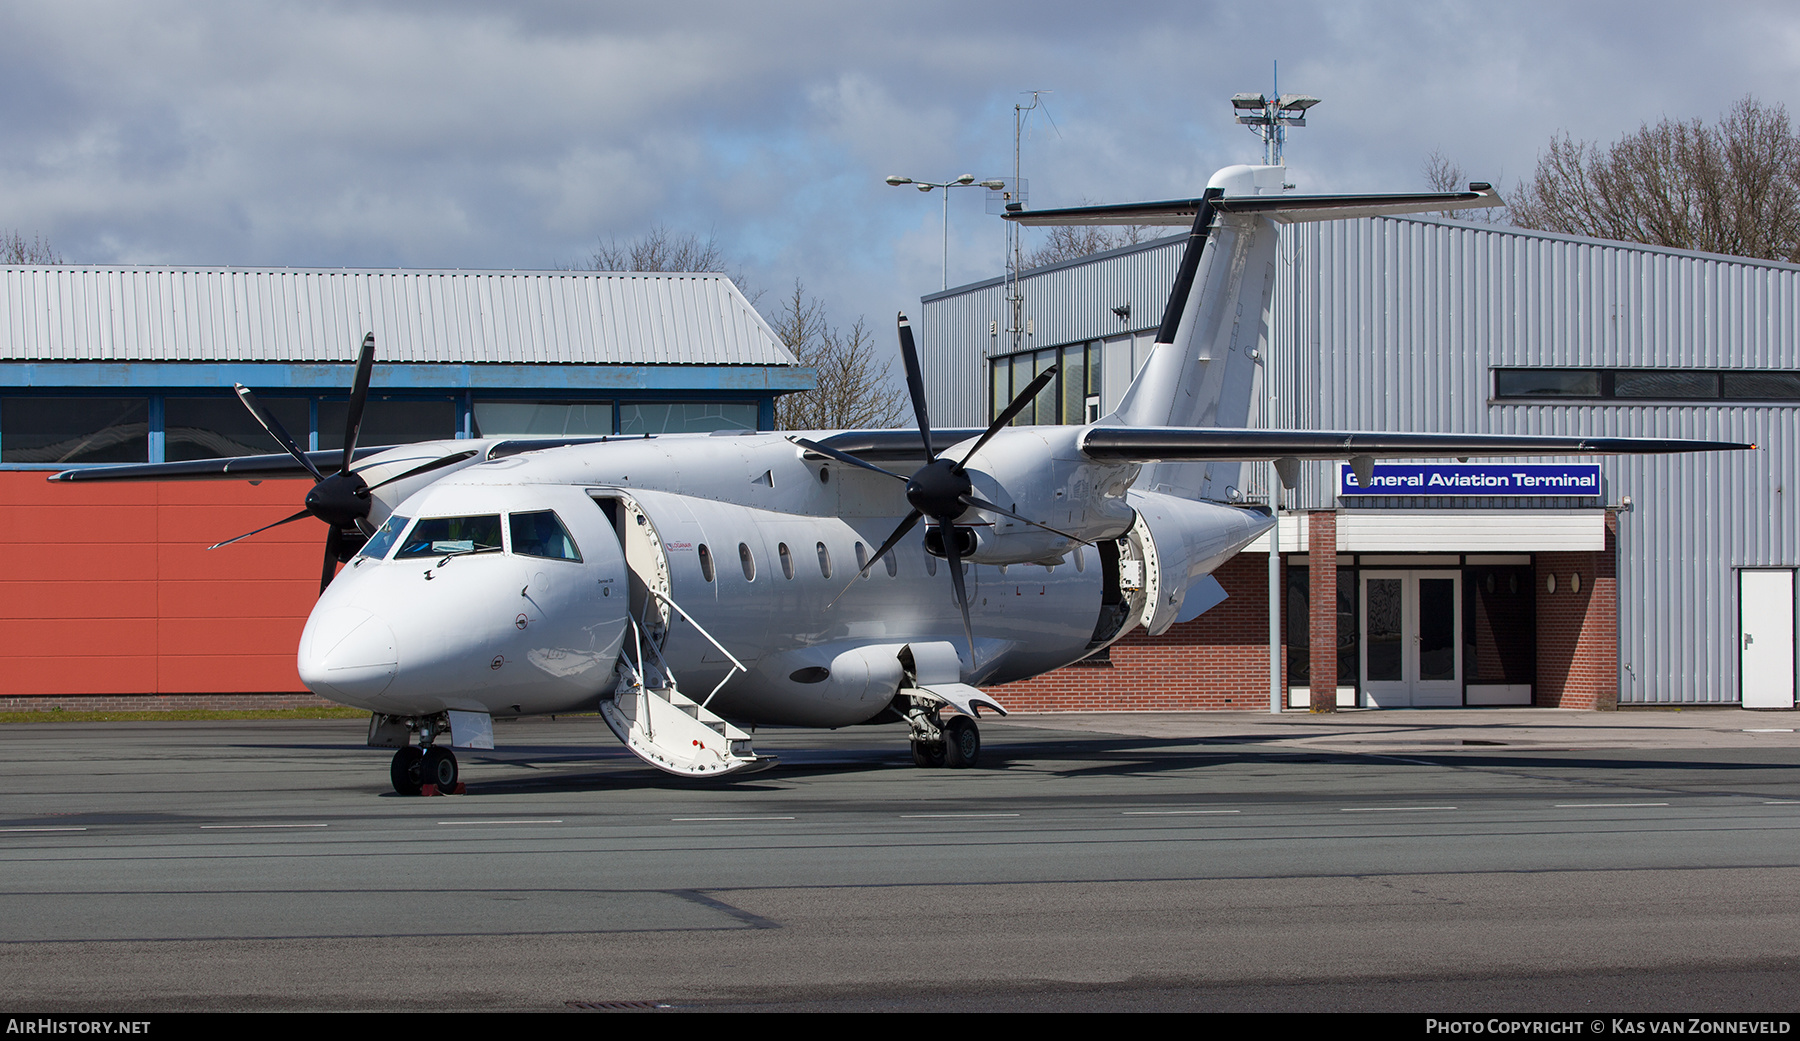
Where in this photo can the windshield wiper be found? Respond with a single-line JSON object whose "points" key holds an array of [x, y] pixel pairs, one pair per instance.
{"points": [[467, 552]]}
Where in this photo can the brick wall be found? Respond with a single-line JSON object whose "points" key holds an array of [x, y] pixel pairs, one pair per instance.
{"points": [[1217, 661], [1321, 613], [1578, 632]]}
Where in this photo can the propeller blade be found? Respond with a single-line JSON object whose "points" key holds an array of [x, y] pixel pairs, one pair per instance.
{"points": [[899, 533], [266, 527], [334, 541], [842, 457], [983, 504], [359, 396], [1012, 410], [915, 382], [276, 430], [448, 460], [947, 531]]}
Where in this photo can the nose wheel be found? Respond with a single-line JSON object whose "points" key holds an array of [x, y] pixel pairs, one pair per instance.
{"points": [[414, 768]]}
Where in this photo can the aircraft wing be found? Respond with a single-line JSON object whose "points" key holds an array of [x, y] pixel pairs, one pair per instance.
{"points": [[1182, 444], [894, 446], [236, 468], [1286, 209]]}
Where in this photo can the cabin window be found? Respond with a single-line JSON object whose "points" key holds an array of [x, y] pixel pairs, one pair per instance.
{"points": [[787, 561], [440, 536], [706, 565], [541, 534], [893, 565], [862, 560], [930, 561], [748, 561], [377, 547], [824, 561]]}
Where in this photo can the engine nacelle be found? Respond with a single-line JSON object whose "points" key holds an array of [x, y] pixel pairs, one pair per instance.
{"points": [[1039, 472], [1179, 542]]}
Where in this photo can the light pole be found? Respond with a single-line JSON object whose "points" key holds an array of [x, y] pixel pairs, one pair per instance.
{"points": [[965, 181]]}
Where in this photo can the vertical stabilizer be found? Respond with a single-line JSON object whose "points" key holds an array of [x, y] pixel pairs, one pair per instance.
{"points": [[1205, 367]]}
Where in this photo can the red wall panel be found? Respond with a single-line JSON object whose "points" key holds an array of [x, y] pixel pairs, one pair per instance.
{"points": [[110, 589]]}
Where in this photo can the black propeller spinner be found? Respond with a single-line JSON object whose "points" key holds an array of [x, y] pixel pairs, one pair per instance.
{"points": [[342, 498], [941, 489]]}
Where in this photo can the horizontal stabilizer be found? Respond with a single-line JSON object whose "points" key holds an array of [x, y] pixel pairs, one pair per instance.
{"points": [[1286, 209], [1160, 444]]}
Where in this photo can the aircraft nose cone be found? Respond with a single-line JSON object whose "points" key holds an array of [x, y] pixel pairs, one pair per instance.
{"points": [[348, 652]]}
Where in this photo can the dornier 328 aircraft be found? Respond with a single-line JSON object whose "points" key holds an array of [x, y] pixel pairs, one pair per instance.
{"points": [[688, 586]]}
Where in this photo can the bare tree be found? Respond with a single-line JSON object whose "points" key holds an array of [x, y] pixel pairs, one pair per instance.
{"points": [[854, 390], [1069, 241], [1443, 174], [1733, 187], [660, 250], [15, 250]]}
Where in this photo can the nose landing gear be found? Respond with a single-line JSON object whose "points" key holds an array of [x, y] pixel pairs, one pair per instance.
{"points": [[425, 771]]}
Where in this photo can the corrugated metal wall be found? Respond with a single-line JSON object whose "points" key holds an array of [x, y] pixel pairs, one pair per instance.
{"points": [[1063, 303], [1397, 324], [87, 313]]}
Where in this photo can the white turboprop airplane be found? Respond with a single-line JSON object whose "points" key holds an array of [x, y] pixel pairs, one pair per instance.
{"points": [[687, 586]]}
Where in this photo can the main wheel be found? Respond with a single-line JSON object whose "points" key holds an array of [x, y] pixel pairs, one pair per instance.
{"points": [[439, 768], [405, 772], [927, 755], [962, 742]]}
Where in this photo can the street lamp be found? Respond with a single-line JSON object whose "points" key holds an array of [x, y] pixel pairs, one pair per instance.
{"points": [[965, 181], [1270, 118]]}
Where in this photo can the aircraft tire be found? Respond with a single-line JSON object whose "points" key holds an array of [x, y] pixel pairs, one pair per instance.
{"points": [[927, 755], [439, 767], [962, 743], [405, 771]]}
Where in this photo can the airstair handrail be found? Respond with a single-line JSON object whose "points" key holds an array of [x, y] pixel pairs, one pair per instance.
{"points": [[735, 664]]}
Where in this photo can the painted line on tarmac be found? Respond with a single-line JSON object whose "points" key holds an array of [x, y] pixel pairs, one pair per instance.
{"points": [[459, 823], [43, 829], [1384, 809], [732, 818], [229, 827], [1173, 813], [941, 816], [1604, 805]]}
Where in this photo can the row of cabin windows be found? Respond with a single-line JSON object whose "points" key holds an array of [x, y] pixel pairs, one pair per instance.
{"points": [[747, 561]]}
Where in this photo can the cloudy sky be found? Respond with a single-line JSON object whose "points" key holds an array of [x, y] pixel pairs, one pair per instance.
{"points": [[483, 135]]}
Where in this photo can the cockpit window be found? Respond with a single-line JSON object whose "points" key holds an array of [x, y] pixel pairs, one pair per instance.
{"points": [[542, 534], [436, 536], [383, 540]]}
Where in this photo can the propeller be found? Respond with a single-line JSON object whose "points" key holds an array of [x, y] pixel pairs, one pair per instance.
{"points": [[341, 498], [941, 490]]}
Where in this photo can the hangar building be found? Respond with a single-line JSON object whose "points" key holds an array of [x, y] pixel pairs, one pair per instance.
{"points": [[108, 592], [1640, 581]]}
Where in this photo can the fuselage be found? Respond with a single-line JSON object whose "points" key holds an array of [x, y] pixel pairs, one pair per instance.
{"points": [[513, 586]]}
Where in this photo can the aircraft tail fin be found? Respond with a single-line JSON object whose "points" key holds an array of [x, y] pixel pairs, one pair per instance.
{"points": [[1205, 367]]}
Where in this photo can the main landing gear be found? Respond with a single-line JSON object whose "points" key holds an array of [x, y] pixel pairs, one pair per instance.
{"points": [[953, 742]]}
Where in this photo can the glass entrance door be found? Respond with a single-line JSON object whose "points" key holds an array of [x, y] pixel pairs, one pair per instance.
{"points": [[1412, 638]]}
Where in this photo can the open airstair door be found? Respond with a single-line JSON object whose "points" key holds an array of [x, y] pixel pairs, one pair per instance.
{"points": [[646, 708]]}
